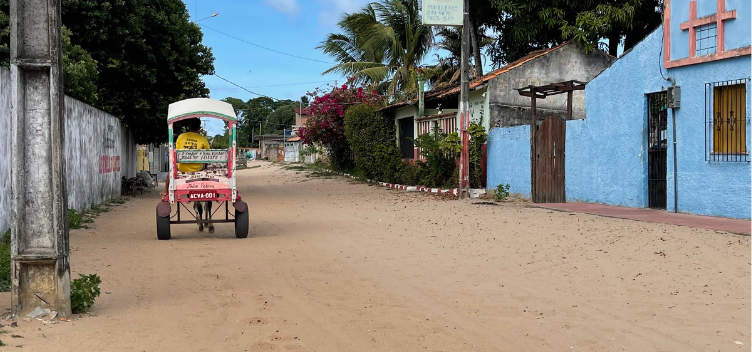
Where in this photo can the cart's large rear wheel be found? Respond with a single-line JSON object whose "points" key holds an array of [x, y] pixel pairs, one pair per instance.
{"points": [[241, 222], [163, 227]]}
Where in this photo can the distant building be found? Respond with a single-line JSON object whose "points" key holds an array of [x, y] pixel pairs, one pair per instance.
{"points": [[495, 103], [271, 147]]}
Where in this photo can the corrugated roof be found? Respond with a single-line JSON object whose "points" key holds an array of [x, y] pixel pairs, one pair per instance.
{"points": [[455, 89]]}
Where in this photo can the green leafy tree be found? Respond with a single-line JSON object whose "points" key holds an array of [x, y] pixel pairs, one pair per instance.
{"points": [[243, 135], [79, 71], [528, 25], [283, 117], [219, 141], [148, 55]]}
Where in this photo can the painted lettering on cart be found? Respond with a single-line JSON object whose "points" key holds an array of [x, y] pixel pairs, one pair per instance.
{"points": [[199, 186], [109, 164], [202, 195]]}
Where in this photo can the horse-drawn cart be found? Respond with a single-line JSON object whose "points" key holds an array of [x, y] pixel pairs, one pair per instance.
{"points": [[216, 182]]}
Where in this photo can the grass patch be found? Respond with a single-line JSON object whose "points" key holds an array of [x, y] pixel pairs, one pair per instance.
{"points": [[75, 220], [99, 208], [119, 201], [78, 220]]}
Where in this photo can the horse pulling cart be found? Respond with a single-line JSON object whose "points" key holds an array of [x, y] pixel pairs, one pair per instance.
{"points": [[216, 182]]}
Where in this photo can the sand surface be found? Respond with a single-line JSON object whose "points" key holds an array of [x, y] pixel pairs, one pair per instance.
{"points": [[333, 265]]}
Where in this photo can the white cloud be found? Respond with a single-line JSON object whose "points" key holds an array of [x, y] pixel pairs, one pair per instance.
{"points": [[290, 7], [332, 10]]}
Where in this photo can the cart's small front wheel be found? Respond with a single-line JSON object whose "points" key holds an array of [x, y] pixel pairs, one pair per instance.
{"points": [[163, 225], [241, 221]]}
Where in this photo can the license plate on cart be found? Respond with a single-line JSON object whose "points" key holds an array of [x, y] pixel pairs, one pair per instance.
{"points": [[202, 195]]}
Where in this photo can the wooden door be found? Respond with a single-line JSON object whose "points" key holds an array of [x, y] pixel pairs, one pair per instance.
{"points": [[548, 171]]}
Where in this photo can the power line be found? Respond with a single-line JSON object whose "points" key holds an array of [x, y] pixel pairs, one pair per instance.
{"points": [[245, 89], [273, 98], [282, 85], [265, 48]]}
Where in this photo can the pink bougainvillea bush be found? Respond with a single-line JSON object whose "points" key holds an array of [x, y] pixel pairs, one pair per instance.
{"points": [[326, 126]]}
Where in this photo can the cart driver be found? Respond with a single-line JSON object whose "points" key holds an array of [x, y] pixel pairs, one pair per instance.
{"points": [[189, 140]]}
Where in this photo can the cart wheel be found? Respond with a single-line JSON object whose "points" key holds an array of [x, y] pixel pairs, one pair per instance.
{"points": [[241, 222], [163, 227]]}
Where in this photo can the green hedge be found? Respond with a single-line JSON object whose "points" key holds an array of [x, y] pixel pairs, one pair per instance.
{"points": [[372, 139]]}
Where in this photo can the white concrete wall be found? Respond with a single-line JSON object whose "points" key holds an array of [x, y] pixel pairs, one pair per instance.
{"points": [[5, 119], [96, 149], [91, 135]]}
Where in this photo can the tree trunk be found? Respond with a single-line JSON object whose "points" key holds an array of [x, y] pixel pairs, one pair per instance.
{"points": [[613, 44], [476, 49]]}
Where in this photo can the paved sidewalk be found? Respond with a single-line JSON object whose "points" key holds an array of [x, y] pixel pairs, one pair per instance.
{"points": [[659, 216]]}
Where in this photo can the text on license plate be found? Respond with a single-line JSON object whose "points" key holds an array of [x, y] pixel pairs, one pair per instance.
{"points": [[202, 195]]}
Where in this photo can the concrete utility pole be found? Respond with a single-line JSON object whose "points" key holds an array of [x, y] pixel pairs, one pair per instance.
{"points": [[40, 253], [465, 106]]}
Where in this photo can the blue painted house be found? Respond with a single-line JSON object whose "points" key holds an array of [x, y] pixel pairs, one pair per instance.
{"points": [[641, 146]]}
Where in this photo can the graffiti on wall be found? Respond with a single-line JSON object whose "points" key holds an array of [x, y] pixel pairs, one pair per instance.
{"points": [[109, 137], [109, 164]]}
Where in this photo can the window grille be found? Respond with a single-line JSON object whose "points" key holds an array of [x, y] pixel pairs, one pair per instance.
{"points": [[707, 39], [726, 121]]}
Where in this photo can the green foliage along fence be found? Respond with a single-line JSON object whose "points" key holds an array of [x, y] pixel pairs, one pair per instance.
{"points": [[478, 137], [440, 150]]}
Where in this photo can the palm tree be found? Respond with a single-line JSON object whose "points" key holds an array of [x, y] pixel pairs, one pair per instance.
{"points": [[447, 70], [382, 45]]}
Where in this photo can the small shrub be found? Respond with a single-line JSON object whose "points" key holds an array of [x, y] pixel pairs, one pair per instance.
{"points": [[84, 291], [407, 174], [440, 152], [502, 193], [5, 266]]}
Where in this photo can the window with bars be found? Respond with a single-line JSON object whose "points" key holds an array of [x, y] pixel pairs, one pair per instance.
{"points": [[707, 39], [726, 121]]}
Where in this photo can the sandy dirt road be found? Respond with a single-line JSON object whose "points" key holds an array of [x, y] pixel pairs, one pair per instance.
{"points": [[339, 266]]}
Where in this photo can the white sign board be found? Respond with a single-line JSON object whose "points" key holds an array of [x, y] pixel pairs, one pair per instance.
{"points": [[202, 156], [442, 12]]}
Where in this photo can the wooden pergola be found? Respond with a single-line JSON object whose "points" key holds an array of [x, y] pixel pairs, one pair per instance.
{"points": [[542, 92]]}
